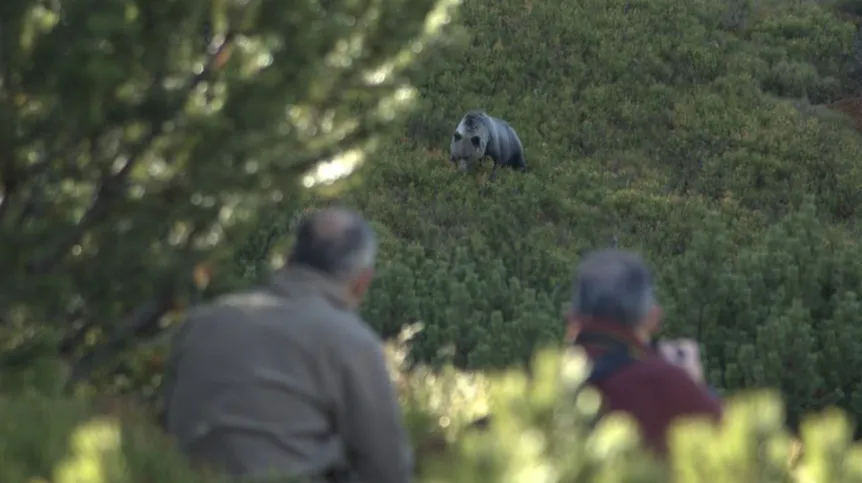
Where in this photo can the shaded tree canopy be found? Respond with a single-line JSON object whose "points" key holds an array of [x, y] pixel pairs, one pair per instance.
{"points": [[137, 137]]}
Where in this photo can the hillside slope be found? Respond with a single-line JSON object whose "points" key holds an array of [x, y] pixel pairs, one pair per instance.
{"points": [[684, 130]]}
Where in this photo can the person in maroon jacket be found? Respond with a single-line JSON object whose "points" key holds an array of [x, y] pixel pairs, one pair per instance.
{"points": [[614, 317]]}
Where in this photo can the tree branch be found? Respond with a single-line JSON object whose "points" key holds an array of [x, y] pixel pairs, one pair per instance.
{"points": [[112, 186], [70, 342], [140, 321], [36, 199], [9, 187], [8, 170], [35, 202], [142, 317]]}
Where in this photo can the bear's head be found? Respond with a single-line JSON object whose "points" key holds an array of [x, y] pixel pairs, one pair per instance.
{"points": [[469, 140]]}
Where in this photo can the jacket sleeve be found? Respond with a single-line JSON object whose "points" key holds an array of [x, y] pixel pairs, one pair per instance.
{"points": [[177, 339], [377, 442]]}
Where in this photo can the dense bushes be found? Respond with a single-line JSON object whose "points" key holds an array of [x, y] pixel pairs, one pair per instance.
{"points": [[585, 89], [540, 432], [693, 132], [679, 147]]}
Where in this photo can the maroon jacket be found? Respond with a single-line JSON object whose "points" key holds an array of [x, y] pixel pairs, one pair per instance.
{"points": [[653, 391]]}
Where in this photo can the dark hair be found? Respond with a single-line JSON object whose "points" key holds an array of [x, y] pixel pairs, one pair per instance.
{"points": [[334, 253]]}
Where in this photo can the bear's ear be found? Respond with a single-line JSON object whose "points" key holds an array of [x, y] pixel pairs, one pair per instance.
{"points": [[476, 140], [457, 136]]}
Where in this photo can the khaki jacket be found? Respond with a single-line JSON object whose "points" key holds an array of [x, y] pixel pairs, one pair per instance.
{"points": [[285, 380]]}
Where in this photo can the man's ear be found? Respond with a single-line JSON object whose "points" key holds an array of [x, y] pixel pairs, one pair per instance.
{"points": [[654, 318], [362, 283]]}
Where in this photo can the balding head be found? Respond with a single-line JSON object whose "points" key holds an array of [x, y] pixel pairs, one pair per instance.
{"points": [[613, 286], [335, 241]]}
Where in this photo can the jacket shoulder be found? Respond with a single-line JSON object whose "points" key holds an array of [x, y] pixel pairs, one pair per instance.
{"points": [[312, 316], [666, 383], [656, 393], [656, 376], [654, 370]]}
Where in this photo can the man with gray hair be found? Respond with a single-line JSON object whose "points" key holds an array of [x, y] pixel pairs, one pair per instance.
{"points": [[285, 380], [614, 316]]}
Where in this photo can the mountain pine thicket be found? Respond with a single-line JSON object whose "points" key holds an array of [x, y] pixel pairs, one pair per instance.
{"points": [[156, 154]]}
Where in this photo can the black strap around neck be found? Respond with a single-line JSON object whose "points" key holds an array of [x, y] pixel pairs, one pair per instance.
{"points": [[616, 355], [608, 364]]}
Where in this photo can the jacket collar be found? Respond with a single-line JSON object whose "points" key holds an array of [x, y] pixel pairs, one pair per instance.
{"points": [[299, 280], [599, 337]]}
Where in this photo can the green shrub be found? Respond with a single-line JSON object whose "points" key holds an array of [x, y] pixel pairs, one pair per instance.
{"points": [[650, 124], [541, 430], [141, 139]]}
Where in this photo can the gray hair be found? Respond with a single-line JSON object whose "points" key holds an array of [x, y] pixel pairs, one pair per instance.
{"points": [[336, 241], [613, 285]]}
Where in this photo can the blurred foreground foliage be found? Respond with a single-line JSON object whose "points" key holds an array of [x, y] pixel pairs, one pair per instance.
{"points": [[541, 431], [140, 139]]}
